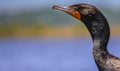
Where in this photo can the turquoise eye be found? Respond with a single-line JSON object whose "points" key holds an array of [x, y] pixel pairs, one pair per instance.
{"points": [[76, 8]]}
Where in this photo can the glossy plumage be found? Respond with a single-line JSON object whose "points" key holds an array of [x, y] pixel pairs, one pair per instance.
{"points": [[98, 27]]}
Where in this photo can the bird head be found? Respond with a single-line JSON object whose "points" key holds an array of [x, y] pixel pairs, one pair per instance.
{"points": [[79, 11]]}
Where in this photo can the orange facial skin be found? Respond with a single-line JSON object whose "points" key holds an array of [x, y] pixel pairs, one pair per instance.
{"points": [[70, 10], [76, 14]]}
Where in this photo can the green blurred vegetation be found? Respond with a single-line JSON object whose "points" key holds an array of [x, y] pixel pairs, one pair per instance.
{"points": [[34, 22]]}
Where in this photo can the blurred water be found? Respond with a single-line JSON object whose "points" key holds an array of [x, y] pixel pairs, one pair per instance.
{"points": [[43, 54]]}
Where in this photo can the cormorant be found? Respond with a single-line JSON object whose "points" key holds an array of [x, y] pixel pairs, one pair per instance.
{"points": [[98, 27]]}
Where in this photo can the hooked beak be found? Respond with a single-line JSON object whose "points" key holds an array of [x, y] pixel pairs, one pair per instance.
{"points": [[68, 10]]}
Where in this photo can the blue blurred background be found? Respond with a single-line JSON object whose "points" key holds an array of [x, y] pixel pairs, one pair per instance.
{"points": [[33, 37]]}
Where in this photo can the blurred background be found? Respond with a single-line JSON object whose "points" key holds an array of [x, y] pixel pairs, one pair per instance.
{"points": [[33, 37]]}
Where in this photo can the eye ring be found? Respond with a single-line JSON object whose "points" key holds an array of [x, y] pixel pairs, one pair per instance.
{"points": [[76, 8]]}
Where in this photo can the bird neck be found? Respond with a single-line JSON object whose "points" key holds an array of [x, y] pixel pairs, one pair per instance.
{"points": [[100, 35], [99, 29], [100, 52], [100, 32]]}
